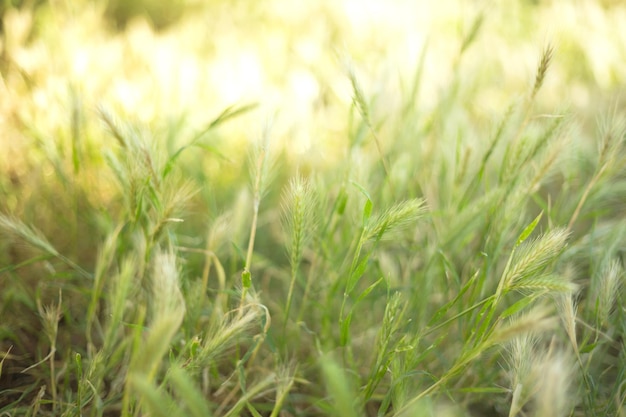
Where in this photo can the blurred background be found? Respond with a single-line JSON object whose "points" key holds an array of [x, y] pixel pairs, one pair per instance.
{"points": [[156, 60], [170, 67]]}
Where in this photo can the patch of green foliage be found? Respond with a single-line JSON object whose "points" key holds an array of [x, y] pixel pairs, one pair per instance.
{"points": [[443, 267]]}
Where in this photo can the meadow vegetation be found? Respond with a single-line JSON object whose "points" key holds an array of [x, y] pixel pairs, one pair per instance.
{"points": [[312, 209]]}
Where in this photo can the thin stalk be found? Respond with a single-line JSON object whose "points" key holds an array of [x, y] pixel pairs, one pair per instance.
{"points": [[307, 288], [456, 316], [355, 262], [584, 197], [292, 284], [255, 215]]}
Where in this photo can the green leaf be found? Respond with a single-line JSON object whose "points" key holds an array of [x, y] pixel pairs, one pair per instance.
{"points": [[345, 329], [367, 211], [357, 273], [517, 306], [528, 230], [246, 279], [229, 113], [587, 348], [367, 291], [253, 410], [441, 312], [194, 347], [213, 150], [241, 373], [342, 201], [77, 359]]}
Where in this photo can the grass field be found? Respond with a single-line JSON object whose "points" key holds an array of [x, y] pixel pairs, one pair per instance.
{"points": [[312, 208]]}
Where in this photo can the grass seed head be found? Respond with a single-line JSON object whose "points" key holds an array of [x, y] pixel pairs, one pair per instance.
{"points": [[542, 69]]}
